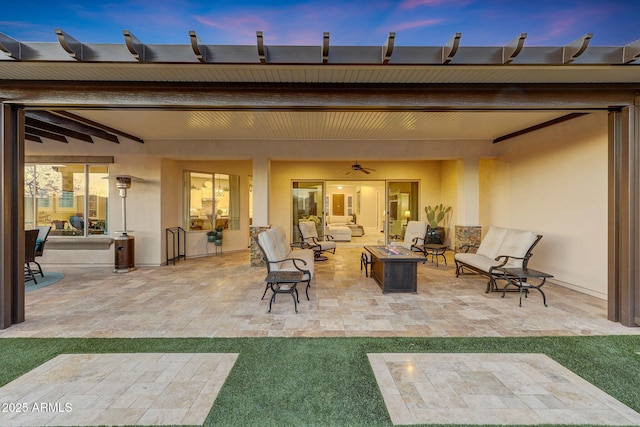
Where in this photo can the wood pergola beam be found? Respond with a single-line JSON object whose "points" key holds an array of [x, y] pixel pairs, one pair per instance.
{"points": [[538, 126], [40, 124], [30, 130], [97, 125]]}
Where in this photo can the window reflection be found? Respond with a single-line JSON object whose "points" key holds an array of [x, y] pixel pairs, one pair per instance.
{"points": [[71, 198], [213, 201]]}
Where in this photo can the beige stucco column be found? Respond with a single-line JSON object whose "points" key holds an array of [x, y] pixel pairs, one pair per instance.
{"points": [[467, 218], [261, 169], [261, 191]]}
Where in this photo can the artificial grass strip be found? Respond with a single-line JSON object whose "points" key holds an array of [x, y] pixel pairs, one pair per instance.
{"points": [[328, 381]]}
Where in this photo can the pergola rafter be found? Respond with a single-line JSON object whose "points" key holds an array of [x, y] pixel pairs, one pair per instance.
{"points": [[577, 52]]}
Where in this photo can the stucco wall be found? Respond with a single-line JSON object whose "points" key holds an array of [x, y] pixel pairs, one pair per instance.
{"points": [[554, 182], [172, 196]]}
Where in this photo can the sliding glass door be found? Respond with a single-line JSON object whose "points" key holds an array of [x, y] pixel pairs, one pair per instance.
{"points": [[402, 207], [308, 204]]}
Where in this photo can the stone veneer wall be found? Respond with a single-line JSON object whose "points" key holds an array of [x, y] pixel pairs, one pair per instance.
{"points": [[468, 235], [256, 253]]}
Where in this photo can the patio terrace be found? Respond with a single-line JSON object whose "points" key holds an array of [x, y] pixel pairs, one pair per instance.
{"points": [[220, 296]]}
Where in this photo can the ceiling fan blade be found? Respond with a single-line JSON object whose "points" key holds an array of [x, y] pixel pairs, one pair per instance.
{"points": [[365, 171]]}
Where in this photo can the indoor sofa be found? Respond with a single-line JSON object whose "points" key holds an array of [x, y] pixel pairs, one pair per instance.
{"points": [[501, 247], [338, 222]]}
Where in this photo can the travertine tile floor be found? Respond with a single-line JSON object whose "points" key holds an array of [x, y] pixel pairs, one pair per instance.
{"points": [[491, 389], [221, 297], [117, 389]]}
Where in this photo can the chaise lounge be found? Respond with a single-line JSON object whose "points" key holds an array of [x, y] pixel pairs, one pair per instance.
{"points": [[501, 247]]}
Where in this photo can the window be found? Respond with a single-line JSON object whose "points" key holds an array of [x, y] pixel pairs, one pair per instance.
{"points": [[72, 198], [212, 200]]}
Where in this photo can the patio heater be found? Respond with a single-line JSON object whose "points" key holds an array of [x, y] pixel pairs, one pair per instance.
{"points": [[124, 248]]}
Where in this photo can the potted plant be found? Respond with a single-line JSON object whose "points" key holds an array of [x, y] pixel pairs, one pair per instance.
{"points": [[218, 236], [436, 216], [211, 236]]}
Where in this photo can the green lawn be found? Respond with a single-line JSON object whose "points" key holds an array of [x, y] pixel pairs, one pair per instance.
{"points": [[328, 381]]}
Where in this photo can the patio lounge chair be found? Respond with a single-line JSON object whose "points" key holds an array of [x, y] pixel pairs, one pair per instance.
{"points": [[319, 244], [414, 237], [43, 234], [29, 254], [279, 256]]}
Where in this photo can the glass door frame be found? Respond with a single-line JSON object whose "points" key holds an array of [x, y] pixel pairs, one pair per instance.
{"points": [[312, 208], [401, 206]]}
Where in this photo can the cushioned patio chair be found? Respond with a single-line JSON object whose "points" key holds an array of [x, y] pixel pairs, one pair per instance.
{"points": [[319, 244], [30, 254], [43, 235], [414, 236]]}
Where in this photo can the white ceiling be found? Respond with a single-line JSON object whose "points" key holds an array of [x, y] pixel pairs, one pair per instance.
{"points": [[318, 125]]}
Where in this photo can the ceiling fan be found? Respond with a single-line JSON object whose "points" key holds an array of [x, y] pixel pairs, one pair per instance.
{"points": [[359, 168]]}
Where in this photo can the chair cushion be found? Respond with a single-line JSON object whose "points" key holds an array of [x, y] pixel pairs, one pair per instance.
{"points": [[478, 261], [327, 246], [490, 245], [516, 244], [283, 246], [308, 230], [268, 242], [415, 229], [271, 242]]}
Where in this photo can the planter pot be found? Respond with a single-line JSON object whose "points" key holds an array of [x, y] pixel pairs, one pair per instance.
{"points": [[436, 235], [211, 238], [218, 242]]}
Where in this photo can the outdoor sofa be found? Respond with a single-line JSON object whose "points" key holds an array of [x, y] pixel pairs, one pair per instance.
{"points": [[501, 247]]}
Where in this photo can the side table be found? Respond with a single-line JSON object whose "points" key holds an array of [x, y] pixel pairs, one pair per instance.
{"points": [[435, 250], [283, 282], [518, 277]]}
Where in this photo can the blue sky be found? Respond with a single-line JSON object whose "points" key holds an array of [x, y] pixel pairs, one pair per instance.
{"points": [[416, 22]]}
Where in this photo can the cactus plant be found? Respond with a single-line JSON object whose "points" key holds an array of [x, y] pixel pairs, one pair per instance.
{"points": [[436, 214]]}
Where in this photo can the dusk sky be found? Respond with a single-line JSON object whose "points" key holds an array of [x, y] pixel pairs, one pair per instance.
{"points": [[365, 23]]}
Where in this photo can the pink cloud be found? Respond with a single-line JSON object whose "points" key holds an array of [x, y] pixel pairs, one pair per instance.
{"points": [[417, 24], [411, 4], [565, 25]]}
